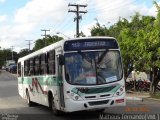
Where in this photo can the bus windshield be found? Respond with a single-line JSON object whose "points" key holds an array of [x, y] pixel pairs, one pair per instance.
{"points": [[93, 67]]}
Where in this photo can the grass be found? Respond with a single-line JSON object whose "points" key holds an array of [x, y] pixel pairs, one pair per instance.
{"points": [[143, 93], [157, 95]]}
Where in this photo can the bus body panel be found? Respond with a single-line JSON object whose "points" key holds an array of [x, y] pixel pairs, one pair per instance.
{"points": [[72, 105], [68, 97], [98, 100]]}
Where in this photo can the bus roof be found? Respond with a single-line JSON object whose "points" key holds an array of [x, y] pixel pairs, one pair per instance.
{"points": [[59, 44]]}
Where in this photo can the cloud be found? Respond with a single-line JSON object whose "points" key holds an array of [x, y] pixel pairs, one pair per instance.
{"points": [[3, 18], [109, 11], [28, 19], [82, 2], [2, 1], [38, 11], [37, 14], [87, 28]]}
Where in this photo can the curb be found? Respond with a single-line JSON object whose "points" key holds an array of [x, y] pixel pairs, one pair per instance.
{"points": [[141, 98], [149, 98], [134, 98]]}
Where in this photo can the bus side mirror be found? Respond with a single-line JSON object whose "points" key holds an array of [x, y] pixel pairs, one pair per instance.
{"points": [[61, 60]]}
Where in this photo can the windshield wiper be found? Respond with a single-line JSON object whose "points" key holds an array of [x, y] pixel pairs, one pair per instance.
{"points": [[102, 56], [84, 56]]}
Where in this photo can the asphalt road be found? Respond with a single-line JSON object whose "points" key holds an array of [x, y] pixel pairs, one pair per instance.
{"points": [[14, 107]]}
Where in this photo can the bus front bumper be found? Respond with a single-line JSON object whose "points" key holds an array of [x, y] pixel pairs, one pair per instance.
{"points": [[72, 105]]}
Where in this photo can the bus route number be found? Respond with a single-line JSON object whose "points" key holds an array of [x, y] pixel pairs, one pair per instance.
{"points": [[76, 45]]}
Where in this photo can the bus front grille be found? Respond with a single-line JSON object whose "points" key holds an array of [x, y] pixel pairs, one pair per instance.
{"points": [[98, 102]]}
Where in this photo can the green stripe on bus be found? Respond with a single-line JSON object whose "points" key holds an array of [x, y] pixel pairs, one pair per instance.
{"points": [[49, 80], [106, 89]]}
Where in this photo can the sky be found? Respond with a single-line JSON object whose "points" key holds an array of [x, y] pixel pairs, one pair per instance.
{"points": [[22, 20]]}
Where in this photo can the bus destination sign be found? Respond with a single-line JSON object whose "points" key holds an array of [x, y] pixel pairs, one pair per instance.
{"points": [[90, 44]]}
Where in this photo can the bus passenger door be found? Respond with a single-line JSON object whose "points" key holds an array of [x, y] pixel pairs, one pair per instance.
{"points": [[23, 89], [20, 80], [60, 83]]}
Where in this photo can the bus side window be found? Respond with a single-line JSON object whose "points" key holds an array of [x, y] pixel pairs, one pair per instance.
{"points": [[39, 67], [47, 59], [19, 69], [36, 65], [25, 68], [43, 68], [31, 72], [51, 62], [28, 66]]}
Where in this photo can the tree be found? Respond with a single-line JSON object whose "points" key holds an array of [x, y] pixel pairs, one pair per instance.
{"points": [[1, 59], [39, 44], [98, 30], [133, 41], [82, 34], [49, 40], [154, 37], [23, 53], [139, 42], [6, 54]]}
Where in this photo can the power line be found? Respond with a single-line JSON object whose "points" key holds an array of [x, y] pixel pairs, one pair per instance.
{"points": [[63, 35], [103, 7], [63, 25], [78, 16]]}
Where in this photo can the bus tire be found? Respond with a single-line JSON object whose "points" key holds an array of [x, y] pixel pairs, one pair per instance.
{"points": [[100, 111], [53, 107], [29, 102]]}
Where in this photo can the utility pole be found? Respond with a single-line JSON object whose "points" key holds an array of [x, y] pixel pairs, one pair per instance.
{"points": [[29, 43], [45, 34], [78, 16], [12, 47]]}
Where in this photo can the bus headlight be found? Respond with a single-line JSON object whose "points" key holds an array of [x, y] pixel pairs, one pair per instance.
{"points": [[75, 96], [72, 94], [119, 92]]}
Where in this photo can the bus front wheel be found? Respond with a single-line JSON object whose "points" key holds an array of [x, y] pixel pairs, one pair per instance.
{"points": [[100, 111], [53, 107]]}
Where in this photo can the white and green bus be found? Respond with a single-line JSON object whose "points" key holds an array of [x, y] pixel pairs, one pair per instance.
{"points": [[74, 75]]}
